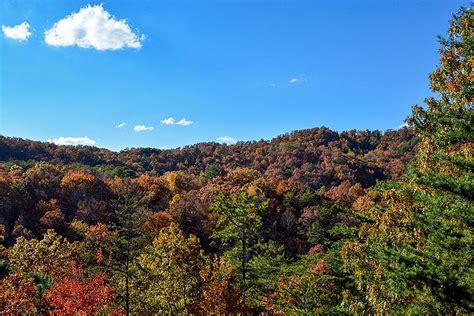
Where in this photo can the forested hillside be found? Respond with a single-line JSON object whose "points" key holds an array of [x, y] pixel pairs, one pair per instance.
{"points": [[307, 181], [313, 152], [304, 162], [311, 222]]}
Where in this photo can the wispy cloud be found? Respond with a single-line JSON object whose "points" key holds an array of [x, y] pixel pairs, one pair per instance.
{"points": [[273, 85], [403, 125], [72, 141], [226, 140], [19, 32], [121, 125], [172, 121], [93, 27], [143, 128], [297, 80]]}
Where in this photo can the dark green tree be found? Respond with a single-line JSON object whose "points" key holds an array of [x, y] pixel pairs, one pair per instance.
{"points": [[414, 254], [239, 228], [212, 170], [127, 220]]}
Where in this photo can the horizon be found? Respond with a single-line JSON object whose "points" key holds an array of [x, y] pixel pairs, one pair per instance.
{"points": [[169, 75], [267, 140]]}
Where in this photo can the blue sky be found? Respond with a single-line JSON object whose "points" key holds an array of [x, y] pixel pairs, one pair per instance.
{"points": [[245, 70]]}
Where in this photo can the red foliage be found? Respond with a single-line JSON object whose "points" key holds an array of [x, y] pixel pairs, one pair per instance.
{"points": [[79, 295]]}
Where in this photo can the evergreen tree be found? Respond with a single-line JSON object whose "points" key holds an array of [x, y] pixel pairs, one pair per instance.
{"points": [[239, 229], [414, 254], [127, 220]]}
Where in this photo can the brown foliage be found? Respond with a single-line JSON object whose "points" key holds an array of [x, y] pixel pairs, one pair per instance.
{"points": [[17, 294]]}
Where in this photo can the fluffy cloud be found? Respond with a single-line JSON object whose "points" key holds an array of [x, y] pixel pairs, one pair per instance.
{"points": [[93, 27], [72, 141], [19, 32], [172, 121], [143, 128], [226, 140], [121, 125], [168, 121]]}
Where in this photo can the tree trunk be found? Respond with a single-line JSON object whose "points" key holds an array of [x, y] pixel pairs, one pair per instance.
{"points": [[244, 283]]}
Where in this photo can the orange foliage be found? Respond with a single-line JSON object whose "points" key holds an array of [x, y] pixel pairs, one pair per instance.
{"points": [[52, 216], [218, 297], [77, 178], [17, 295], [99, 234], [79, 295], [157, 221]]}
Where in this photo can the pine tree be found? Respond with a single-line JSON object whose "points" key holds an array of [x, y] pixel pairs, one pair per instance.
{"points": [[239, 229], [414, 253], [127, 221]]}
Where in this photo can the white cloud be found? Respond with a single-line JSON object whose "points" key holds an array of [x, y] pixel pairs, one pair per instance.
{"points": [[19, 32], [121, 125], [72, 141], [184, 122], [273, 85], [93, 27], [403, 125], [226, 140], [172, 121], [168, 121], [297, 80], [143, 128]]}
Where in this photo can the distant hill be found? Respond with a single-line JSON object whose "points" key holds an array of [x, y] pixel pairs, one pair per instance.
{"points": [[315, 157]]}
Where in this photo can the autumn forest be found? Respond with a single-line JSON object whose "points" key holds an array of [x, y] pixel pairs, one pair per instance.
{"points": [[310, 222]]}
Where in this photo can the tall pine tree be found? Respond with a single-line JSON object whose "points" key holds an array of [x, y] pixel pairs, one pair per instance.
{"points": [[414, 253]]}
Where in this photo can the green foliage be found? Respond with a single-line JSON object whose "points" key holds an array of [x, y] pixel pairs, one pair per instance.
{"points": [[307, 198], [321, 231], [166, 274], [239, 228], [50, 255], [263, 269], [309, 286], [408, 145], [212, 170], [43, 282], [300, 200], [415, 254], [127, 221], [25, 165], [116, 171]]}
